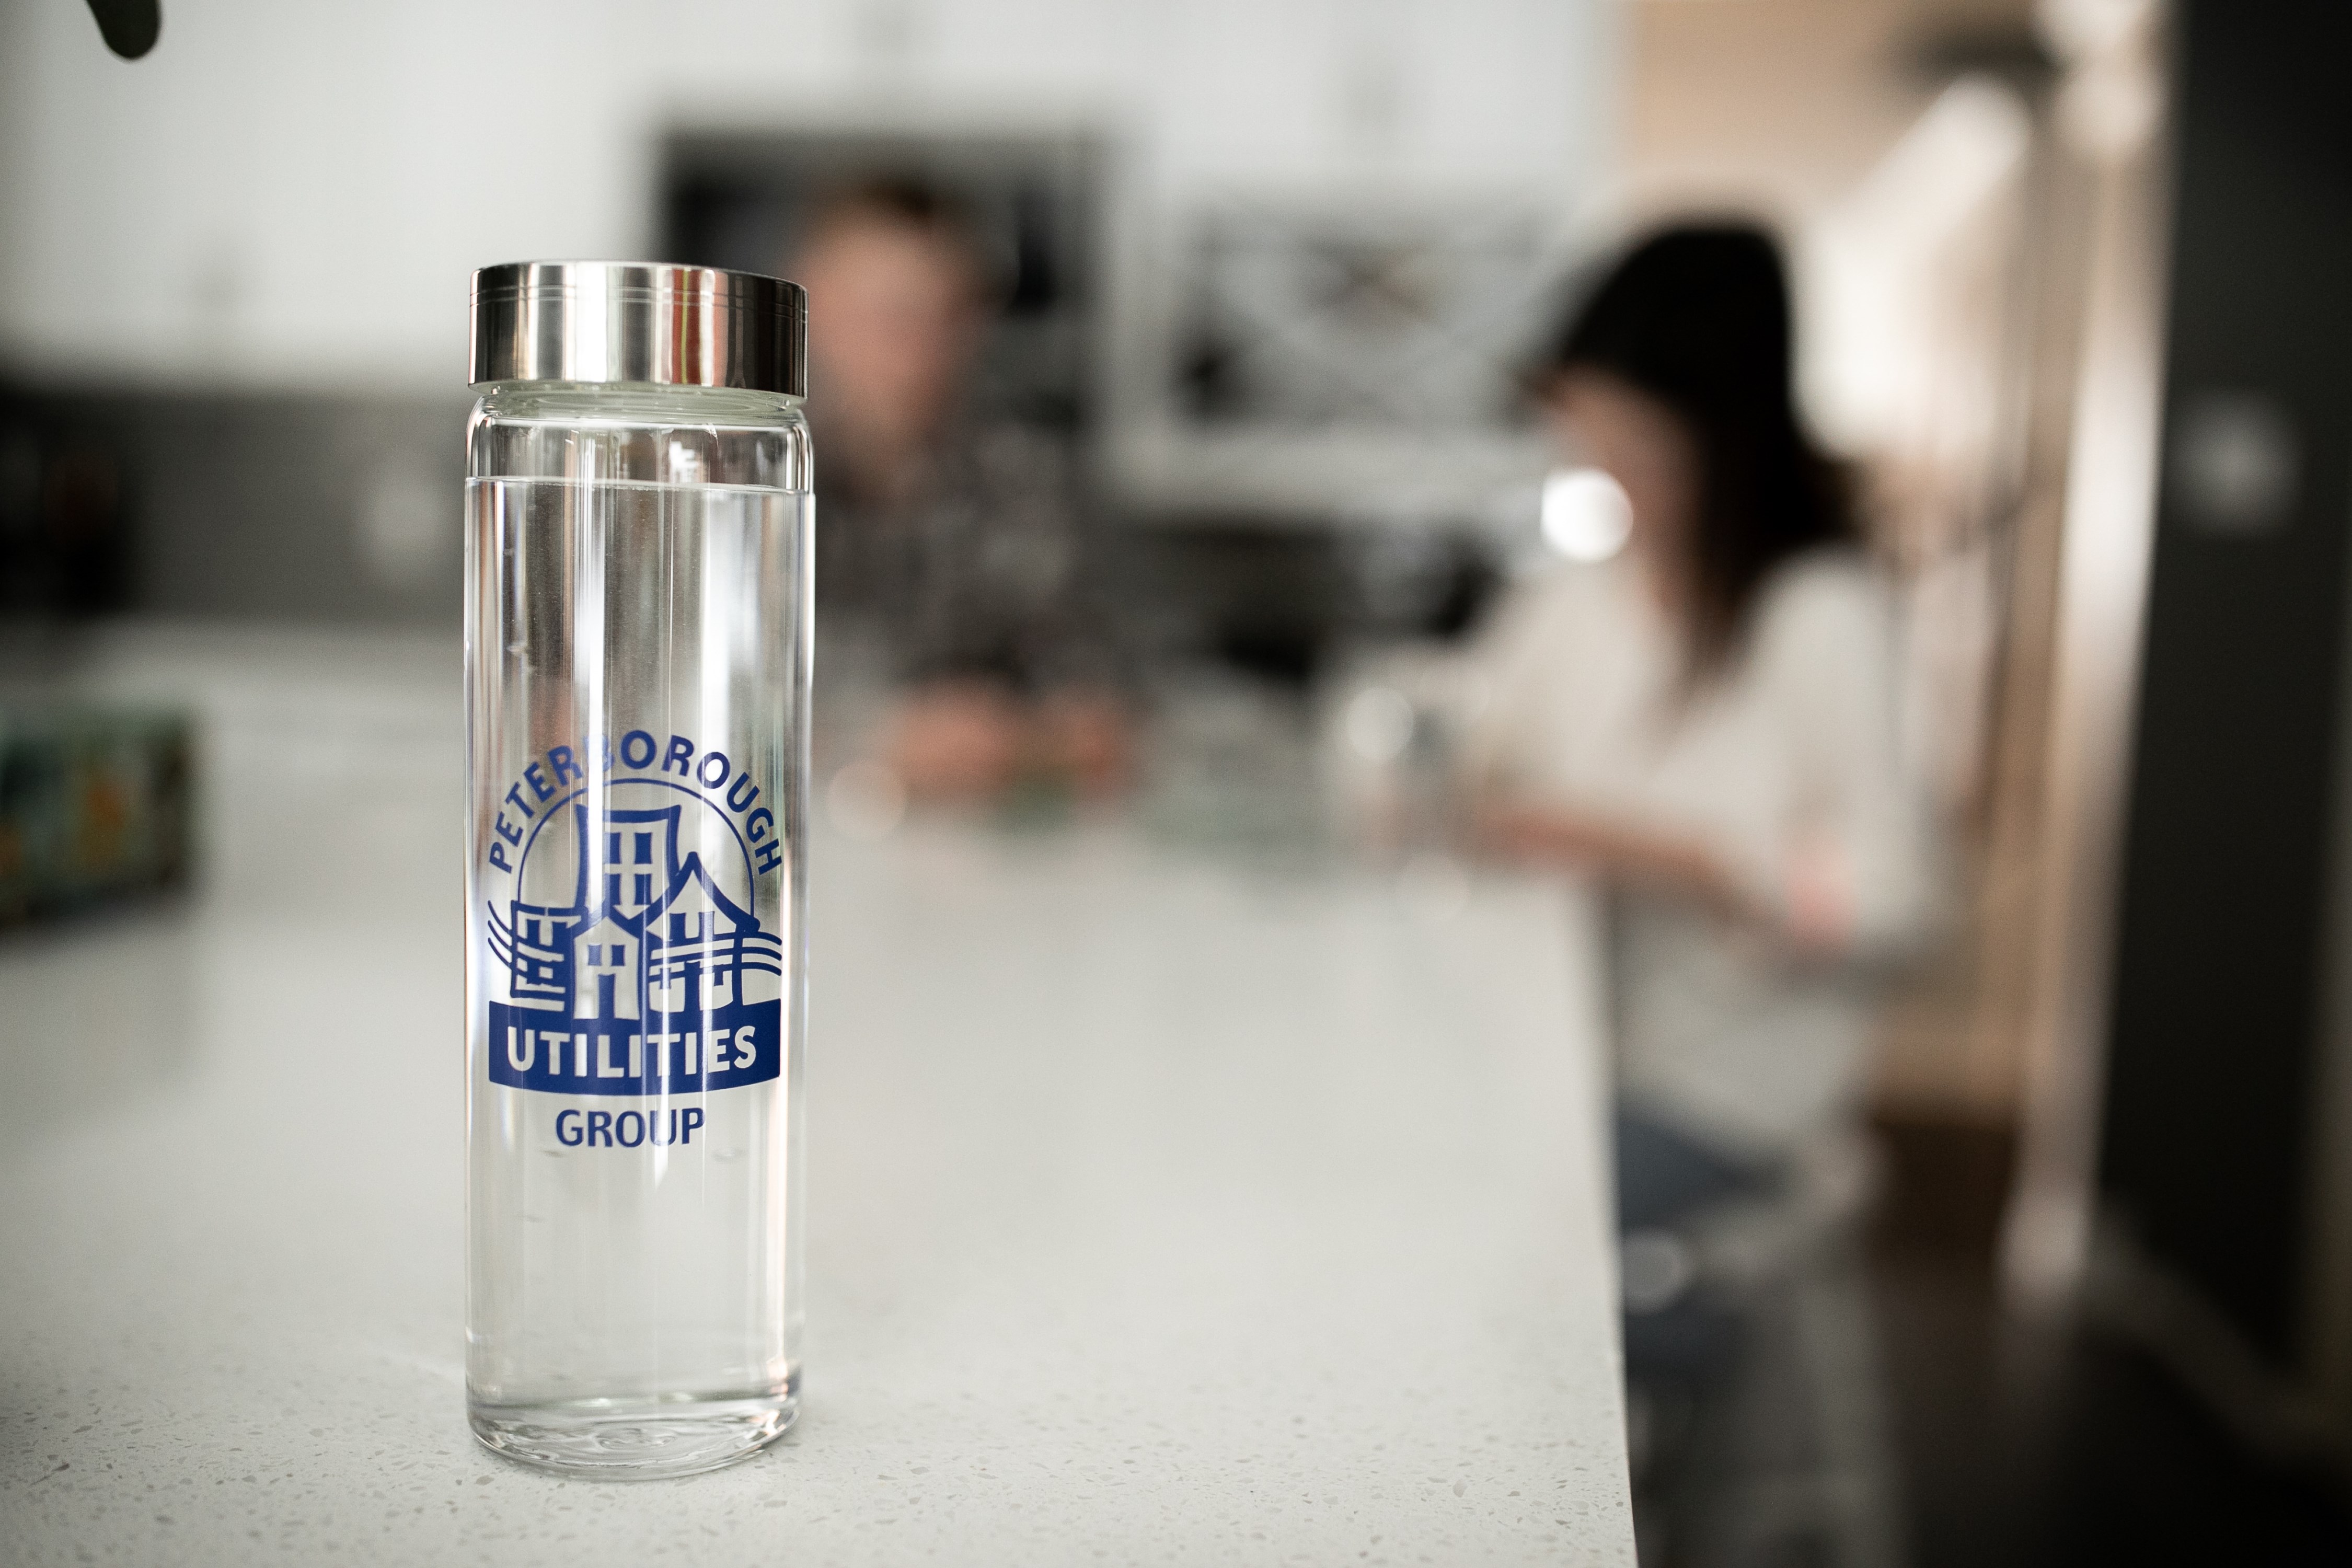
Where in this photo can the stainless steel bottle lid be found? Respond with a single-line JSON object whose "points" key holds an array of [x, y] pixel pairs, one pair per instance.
{"points": [[639, 322]]}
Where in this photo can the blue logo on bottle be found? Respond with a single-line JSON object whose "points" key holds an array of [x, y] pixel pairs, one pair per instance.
{"points": [[645, 974]]}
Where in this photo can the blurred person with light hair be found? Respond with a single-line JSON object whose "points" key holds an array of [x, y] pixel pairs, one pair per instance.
{"points": [[1705, 723], [949, 541]]}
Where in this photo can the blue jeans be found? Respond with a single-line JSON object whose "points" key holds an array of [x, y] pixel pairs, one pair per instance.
{"points": [[1665, 1178]]}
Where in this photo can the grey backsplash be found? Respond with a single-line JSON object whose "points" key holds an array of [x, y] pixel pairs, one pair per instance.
{"points": [[345, 509], [247, 506]]}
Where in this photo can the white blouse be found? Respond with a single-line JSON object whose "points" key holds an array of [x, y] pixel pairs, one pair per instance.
{"points": [[1788, 766]]}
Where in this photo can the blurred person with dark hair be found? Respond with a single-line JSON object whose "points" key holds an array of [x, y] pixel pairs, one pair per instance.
{"points": [[951, 541], [1707, 722]]}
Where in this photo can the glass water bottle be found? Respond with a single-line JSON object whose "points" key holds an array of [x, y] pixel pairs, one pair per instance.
{"points": [[637, 638]]}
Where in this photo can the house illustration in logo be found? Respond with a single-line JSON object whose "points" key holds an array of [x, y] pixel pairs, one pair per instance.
{"points": [[647, 932], [608, 960]]}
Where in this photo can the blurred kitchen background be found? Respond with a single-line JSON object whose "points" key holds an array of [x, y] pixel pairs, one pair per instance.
{"points": [[2070, 289]]}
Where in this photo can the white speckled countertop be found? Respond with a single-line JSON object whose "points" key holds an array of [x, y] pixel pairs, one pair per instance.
{"points": [[1163, 1208]]}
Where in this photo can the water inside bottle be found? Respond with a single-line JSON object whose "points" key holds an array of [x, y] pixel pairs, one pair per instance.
{"points": [[634, 978]]}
